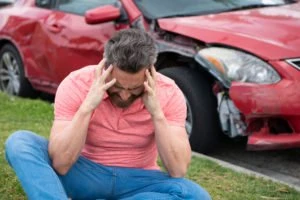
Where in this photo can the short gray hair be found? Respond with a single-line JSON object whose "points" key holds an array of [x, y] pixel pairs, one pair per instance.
{"points": [[131, 50]]}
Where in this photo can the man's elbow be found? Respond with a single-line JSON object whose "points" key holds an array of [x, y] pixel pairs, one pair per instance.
{"points": [[60, 167], [61, 170], [178, 173]]}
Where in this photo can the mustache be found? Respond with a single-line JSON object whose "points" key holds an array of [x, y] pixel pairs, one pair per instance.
{"points": [[117, 100]]}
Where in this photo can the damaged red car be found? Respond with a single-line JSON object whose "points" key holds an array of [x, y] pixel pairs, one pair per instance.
{"points": [[237, 62]]}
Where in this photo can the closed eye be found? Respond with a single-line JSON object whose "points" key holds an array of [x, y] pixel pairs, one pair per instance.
{"points": [[130, 89]]}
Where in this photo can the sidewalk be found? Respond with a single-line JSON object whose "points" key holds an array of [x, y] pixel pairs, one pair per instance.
{"points": [[245, 171]]}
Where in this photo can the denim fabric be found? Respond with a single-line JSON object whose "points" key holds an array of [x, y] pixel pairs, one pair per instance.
{"points": [[27, 154]]}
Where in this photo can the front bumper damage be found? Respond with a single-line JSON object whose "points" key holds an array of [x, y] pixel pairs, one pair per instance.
{"points": [[272, 113]]}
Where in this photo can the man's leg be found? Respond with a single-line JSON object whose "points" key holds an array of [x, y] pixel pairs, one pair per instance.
{"points": [[92, 181], [136, 184], [27, 153]]}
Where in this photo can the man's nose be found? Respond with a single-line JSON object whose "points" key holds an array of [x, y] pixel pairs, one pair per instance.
{"points": [[124, 94]]}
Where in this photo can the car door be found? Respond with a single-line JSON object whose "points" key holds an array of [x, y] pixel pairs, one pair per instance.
{"points": [[69, 42], [37, 60]]}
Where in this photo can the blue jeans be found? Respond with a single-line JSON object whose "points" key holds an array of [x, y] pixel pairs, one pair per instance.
{"points": [[27, 154]]}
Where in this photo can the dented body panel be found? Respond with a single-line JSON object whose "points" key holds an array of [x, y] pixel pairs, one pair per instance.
{"points": [[271, 33], [267, 100]]}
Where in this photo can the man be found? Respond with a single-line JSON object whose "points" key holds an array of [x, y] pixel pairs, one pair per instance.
{"points": [[111, 122]]}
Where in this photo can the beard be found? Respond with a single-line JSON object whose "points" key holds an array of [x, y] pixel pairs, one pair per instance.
{"points": [[119, 102]]}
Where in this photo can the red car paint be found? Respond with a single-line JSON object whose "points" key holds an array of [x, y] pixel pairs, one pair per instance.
{"points": [[53, 43], [270, 33]]}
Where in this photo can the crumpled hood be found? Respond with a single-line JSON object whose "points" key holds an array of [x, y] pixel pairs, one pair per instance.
{"points": [[271, 33]]}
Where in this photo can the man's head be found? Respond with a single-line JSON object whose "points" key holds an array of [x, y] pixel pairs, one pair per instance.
{"points": [[131, 52]]}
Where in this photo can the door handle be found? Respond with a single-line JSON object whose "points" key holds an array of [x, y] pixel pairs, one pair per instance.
{"points": [[55, 28]]}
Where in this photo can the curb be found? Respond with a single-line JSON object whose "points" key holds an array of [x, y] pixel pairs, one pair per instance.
{"points": [[244, 170]]}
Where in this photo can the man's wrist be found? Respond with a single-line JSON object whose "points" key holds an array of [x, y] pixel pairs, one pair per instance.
{"points": [[85, 109], [158, 114]]}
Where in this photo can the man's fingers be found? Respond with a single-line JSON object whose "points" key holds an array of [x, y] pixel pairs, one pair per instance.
{"points": [[101, 64], [99, 68], [147, 87], [109, 84], [150, 79], [97, 73], [107, 72], [153, 72]]}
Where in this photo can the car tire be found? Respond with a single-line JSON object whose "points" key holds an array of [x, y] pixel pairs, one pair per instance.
{"points": [[202, 117], [12, 76]]}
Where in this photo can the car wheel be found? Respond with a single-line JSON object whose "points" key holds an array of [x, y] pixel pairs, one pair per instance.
{"points": [[12, 76], [202, 123]]}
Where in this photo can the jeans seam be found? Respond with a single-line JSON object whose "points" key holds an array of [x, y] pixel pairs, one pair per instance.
{"points": [[46, 156], [98, 167], [149, 176], [114, 182]]}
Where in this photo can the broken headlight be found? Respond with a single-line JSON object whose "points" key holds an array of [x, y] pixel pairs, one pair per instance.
{"points": [[238, 66]]}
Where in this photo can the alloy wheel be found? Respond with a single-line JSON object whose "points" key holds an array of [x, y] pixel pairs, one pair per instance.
{"points": [[9, 74], [189, 119]]}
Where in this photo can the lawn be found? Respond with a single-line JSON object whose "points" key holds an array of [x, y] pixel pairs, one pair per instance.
{"points": [[222, 183]]}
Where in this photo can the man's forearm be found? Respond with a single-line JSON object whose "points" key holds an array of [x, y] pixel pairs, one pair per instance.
{"points": [[173, 147], [65, 147]]}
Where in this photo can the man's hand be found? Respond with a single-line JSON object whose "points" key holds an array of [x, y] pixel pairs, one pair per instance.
{"points": [[172, 141], [68, 137], [149, 98], [98, 88]]}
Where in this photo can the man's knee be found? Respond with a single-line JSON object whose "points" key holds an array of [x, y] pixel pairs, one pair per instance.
{"points": [[19, 143], [191, 190]]}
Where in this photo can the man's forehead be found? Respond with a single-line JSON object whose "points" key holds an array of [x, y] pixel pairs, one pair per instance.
{"points": [[128, 80], [118, 73]]}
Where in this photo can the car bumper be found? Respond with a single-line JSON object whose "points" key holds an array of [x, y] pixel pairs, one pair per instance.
{"points": [[263, 102]]}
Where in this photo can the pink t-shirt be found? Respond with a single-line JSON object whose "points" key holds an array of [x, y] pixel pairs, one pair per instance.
{"points": [[116, 136]]}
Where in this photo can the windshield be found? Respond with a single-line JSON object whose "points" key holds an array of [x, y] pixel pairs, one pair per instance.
{"points": [[81, 6], [153, 9]]}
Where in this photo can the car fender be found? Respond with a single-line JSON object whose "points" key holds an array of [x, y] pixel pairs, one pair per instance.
{"points": [[167, 47]]}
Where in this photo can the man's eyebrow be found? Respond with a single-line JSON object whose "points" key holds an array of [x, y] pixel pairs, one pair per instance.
{"points": [[118, 85], [136, 87]]}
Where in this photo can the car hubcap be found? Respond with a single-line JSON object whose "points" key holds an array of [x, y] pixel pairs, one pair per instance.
{"points": [[9, 74], [189, 119]]}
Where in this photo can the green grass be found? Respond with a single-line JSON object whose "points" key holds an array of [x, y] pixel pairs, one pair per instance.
{"points": [[222, 183]]}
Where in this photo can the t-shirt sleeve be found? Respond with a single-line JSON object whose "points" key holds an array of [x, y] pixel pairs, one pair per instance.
{"points": [[68, 98], [175, 109]]}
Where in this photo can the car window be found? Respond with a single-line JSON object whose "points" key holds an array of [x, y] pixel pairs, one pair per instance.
{"points": [[79, 7], [153, 9], [44, 3]]}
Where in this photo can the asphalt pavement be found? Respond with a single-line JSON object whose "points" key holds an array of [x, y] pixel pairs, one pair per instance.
{"points": [[280, 166]]}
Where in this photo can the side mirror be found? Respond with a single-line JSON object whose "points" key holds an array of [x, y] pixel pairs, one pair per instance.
{"points": [[102, 14]]}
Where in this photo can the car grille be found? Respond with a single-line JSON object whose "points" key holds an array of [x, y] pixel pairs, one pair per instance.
{"points": [[295, 63]]}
